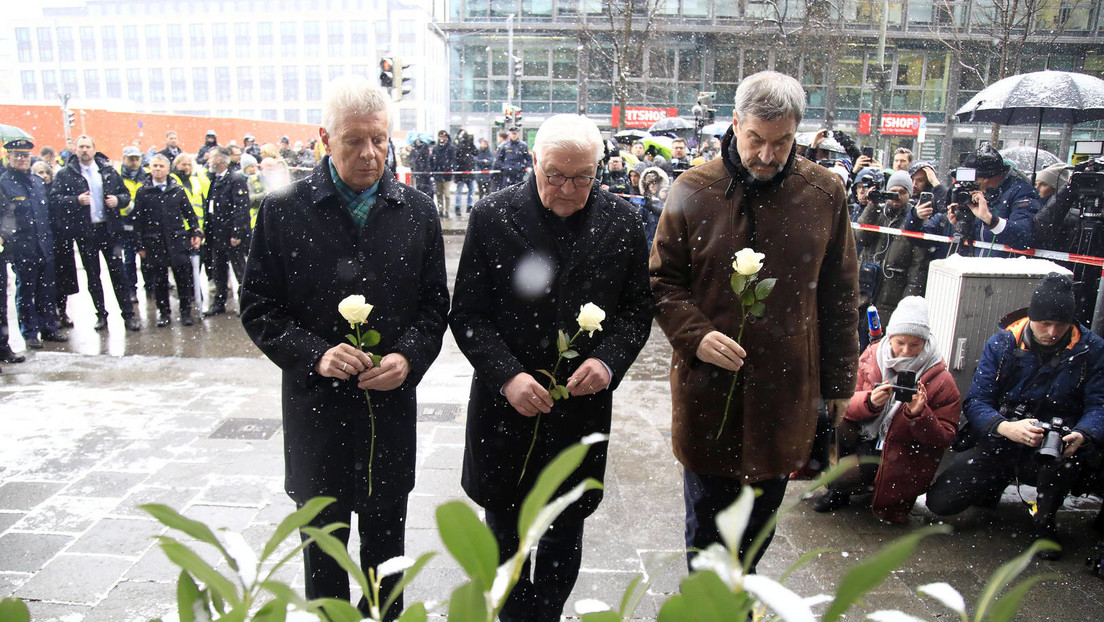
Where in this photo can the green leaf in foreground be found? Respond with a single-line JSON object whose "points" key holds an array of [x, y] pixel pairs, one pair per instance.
{"points": [[294, 521], [468, 540]]}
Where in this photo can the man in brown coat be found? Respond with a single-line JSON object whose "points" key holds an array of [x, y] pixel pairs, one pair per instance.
{"points": [[758, 195]]}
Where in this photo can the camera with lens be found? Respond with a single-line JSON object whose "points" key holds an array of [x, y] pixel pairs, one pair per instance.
{"points": [[1051, 448], [965, 184], [881, 196], [904, 388]]}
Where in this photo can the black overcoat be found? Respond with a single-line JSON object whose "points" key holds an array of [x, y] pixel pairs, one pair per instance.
{"points": [[305, 257], [503, 332], [69, 184], [226, 209], [160, 218], [24, 219]]}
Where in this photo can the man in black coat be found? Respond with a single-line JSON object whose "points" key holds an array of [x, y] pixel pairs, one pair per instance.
{"points": [[534, 254], [350, 229], [90, 195], [444, 159], [513, 158], [26, 239], [161, 209], [226, 225]]}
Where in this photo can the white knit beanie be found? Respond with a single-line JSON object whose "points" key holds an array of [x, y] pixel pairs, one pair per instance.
{"points": [[910, 318]]}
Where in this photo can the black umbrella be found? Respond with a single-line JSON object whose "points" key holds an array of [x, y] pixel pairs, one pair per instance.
{"points": [[670, 125], [1038, 97]]}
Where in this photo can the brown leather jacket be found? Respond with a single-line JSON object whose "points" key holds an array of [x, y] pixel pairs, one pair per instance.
{"points": [[804, 348]]}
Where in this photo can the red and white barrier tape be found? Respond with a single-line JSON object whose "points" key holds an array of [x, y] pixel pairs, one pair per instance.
{"points": [[1031, 252]]}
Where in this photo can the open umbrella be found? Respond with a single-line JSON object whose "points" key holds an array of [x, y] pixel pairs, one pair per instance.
{"points": [[662, 145], [1029, 158], [671, 125], [10, 132], [1038, 97], [629, 136], [716, 129], [413, 137]]}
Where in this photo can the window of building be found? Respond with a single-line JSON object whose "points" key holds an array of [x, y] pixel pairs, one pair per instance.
{"points": [[110, 44], [49, 84], [335, 38], [114, 86], [243, 44], [336, 71], [66, 51], [289, 40], [222, 84], [361, 43], [383, 35], [157, 85], [245, 83], [88, 43], [23, 44], [131, 43], [178, 84], [314, 115], [30, 89], [198, 35], [291, 115], [134, 85], [536, 8], [313, 82], [312, 39], [268, 114], [153, 42], [92, 83], [265, 42], [268, 83], [174, 37], [69, 82], [220, 40], [201, 88], [503, 8], [246, 113], [291, 82], [45, 44]]}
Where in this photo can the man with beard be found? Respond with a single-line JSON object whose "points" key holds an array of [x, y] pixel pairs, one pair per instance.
{"points": [[759, 195], [91, 194], [172, 146], [382, 241]]}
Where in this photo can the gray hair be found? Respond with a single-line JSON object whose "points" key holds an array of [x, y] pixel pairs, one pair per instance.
{"points": [[569, 131], [770, 96], [352, 96], [221, 153], [160, 156]]}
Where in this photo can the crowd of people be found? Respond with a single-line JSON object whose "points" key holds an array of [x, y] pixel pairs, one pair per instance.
{"points": [[581, 222]]}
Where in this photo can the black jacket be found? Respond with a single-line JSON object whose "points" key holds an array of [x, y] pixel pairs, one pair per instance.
{"points": [[503, 333], [465, 154], [226, 210], [160, 217], [76, 219], [304, 258], [444, 159], [24, 219]]}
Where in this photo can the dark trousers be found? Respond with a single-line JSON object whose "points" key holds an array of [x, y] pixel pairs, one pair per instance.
{"points": [[860, 478], [34, 297], [707, 495], [182, 273], [382, 530], [4, 347], [99, 241], [981, 473], [559, 556], [221, 257]]}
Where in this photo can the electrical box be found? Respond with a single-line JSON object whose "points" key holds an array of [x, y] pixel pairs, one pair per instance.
{"points": [[968, 296]]}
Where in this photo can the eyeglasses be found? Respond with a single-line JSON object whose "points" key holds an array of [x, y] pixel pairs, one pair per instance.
{"points": [[579, 181]]}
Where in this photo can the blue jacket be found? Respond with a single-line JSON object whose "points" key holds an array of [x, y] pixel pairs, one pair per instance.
{"points": [[1071, 386], [25, 218], [1017, 203]]}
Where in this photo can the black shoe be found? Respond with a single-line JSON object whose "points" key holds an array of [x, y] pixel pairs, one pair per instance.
{"points": [[7, 356], [132, 324], [34, 343], [214, 310], [831, 500], [56, 337], [64, 321], [163, 320], [101, 323], [186, 319], [1048, 532]]}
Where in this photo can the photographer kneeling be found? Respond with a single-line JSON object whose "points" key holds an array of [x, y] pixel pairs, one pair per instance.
{"points": [[906, 422], [1037, 379]]}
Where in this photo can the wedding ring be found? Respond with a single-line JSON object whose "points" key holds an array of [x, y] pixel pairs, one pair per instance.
{"points": [[344, 367]]}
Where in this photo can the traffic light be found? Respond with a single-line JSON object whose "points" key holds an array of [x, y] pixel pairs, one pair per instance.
{"points": [[387, 72], [400, 77], [518, 67], [70, 118]]}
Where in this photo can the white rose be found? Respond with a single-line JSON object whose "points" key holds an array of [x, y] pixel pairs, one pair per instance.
{"points": [[590, 317], [354, 309], [748, 262]]}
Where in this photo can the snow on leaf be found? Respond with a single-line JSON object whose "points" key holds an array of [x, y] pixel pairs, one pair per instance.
{"points": [[243, 555], [733, 520], [590, 605], [944, 593], [778, 598], [395, 565]]}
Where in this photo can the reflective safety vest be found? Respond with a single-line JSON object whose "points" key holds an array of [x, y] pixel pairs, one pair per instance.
{"points": [[132, 186], [196, 188], [256, 195]]}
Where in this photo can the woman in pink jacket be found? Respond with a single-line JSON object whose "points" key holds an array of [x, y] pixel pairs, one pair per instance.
{"points": [[908, 436]]}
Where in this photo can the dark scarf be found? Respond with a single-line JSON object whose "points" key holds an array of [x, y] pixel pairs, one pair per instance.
{"points": [[751, 187], [565, 230]]}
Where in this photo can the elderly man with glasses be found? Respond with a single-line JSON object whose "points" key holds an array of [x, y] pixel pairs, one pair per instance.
{"points": [[534, 254]]}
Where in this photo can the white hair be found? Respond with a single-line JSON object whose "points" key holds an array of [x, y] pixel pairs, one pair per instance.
{"points": [[569, 131], [352, 96], [770, 96]]}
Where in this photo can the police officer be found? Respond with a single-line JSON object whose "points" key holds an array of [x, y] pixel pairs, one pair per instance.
{"points": [[1039, 369], [513, 159], [25, 230]]}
